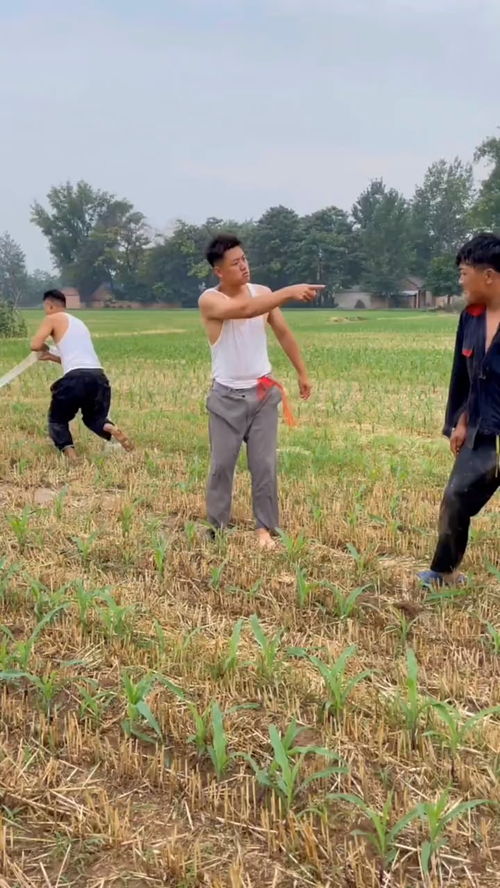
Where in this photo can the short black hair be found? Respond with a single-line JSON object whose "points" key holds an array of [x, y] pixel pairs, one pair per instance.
{"points": [[482, 251], [55, 296], [219, 245]]}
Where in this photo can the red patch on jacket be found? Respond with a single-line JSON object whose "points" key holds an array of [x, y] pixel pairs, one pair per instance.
{"points": [[467, 352], [476, 310]]}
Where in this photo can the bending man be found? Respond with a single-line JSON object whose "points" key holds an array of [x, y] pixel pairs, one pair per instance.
{"points": [[83, 386]]}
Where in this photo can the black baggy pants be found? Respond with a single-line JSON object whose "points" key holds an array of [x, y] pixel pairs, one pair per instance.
{"points": [[473, 481], [85, 390]]}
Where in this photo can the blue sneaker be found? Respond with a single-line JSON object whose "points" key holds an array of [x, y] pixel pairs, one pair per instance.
{"points": [[433, 578]]}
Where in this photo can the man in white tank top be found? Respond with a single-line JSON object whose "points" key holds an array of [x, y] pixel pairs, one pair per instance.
{"points": [[243, 401], [83, 386]]}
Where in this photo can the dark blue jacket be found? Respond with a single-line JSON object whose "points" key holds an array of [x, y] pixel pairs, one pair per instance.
{"points": [[475, 378]]}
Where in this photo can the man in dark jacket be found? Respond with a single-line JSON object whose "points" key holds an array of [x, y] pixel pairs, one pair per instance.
{"points": [[473, 412]]}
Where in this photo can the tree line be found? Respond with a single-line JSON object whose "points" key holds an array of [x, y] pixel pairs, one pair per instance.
{"points": [[98, 240]]}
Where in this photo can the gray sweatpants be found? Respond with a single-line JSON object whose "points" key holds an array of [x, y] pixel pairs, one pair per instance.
{"points": [[237, 415]]}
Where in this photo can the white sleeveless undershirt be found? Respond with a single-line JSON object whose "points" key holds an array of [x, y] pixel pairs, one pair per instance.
{"points": [[76, 349], [239, 356]]}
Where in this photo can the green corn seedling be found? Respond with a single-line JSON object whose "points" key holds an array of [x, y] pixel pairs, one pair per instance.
{"points": [[85, 600], [494, 636], [126, 518], [338, 686], [59, 503], [93, 702], [20, 525], [47, 687], [382, 837], [295, 547], [403, 626], [228, 663], [153, 468], [217, 749], [7, 574], [269, 649], [46, 599], [411, 706], [250, 593], [138, 709], [216, 575], [160, 554], [283, 776], [436, 816], [360, 560], [190, 532], [201, 728], [19, 654], [84, 546], [116, 618], [303, 588], [345, 605], [493, 571], [457, 728]]}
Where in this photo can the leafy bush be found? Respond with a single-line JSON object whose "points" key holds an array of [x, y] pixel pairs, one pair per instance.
{"points": [[12, 323]]}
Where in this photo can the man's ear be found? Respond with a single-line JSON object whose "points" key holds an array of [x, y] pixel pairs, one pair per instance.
{"points": [[217, 271]]}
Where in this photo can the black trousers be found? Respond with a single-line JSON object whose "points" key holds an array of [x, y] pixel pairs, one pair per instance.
{"points": [[85, 390], [473, 481]]}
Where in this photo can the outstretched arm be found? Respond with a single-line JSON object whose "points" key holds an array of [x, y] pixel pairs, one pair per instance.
{"points": [[216, 308], [291, 348]]}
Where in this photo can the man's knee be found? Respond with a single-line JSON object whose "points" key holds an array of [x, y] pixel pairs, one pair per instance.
{"points": [[263, 471], [454, 505], [221, 471]]}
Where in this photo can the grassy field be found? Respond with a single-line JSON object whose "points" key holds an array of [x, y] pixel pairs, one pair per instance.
{"points": [[188, 713]]}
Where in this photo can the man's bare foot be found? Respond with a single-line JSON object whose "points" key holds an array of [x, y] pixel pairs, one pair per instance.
{"points": [[119, 436], [265, 539], [69, 454]]}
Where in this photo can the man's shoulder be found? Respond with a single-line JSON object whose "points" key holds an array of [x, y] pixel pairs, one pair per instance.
{"points": [[60, 320], [208, 295], [259, 289]]}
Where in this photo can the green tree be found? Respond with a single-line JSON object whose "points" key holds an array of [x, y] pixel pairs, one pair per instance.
{"points": [[13, 274], [94, 237], [171, 267], [37, 283], [275, 247], [328, 252], [442, 276], [12, 323], [441, 211], [175, 269], [382, 218], [486, 213]]}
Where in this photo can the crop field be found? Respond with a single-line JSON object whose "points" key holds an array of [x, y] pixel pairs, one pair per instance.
{"points": [[180, 711]]}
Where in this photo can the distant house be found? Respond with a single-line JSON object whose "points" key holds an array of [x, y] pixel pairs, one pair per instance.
{"points": [[355, 299], [411, 295], [443, 301], [413, 288], [73, 300], [101, 296]]}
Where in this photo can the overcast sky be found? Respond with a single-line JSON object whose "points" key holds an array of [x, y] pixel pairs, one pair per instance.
{"points": [[196, 108]]}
